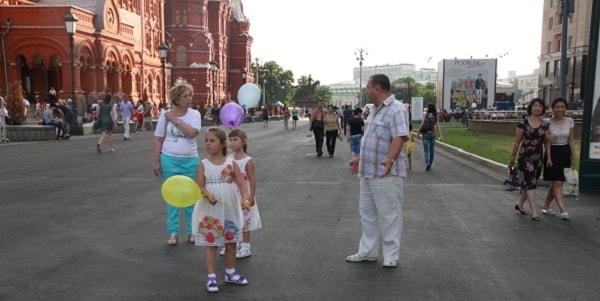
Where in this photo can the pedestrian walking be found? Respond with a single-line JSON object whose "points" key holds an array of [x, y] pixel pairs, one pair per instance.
{"points": [[530, 137], [427, 129], [106, 123], [126, 114], [560, 154], [332, 129], [317, 126]]}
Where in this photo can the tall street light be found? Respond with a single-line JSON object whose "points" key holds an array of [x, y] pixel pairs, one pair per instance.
{"points": [[164, 51], [360, 54], [264, 92], [213, 69], [71, 26]]}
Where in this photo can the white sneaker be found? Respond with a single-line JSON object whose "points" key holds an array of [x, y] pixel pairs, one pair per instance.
{"points": [[359, 258], [222, 252], [243, 252]]}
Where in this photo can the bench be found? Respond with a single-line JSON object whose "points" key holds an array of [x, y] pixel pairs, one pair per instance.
{"points": [[30, 132]]}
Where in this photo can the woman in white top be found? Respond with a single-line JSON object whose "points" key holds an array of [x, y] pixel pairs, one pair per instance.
{"points": [[175, 151], [560, 154]]}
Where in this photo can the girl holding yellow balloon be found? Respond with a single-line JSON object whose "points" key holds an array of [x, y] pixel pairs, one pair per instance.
{"points": [[175, 153], [218, 217]]}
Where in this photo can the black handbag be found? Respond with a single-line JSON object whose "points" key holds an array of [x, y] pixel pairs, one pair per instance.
{"points": [[98, 124]]}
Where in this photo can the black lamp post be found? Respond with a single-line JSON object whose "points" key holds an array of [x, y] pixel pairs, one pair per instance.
{"points": [[213, 69], [244, 75], [71, 26], [264, 91], [164, 51]]}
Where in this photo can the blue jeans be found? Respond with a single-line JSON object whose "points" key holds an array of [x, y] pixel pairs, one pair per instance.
{"points": [[171, 166], [428, 143]]}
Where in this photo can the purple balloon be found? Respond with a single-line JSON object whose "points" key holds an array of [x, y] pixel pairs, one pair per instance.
{"points": [[232, 115]]}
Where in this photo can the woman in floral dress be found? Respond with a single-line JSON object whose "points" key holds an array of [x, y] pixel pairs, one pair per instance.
{"points": [[530, 136]]}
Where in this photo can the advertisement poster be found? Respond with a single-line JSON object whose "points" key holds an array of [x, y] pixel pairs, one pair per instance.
{"points": [[469, 83], [416, 108]]}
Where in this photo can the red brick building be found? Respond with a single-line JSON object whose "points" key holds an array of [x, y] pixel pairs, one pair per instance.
{"points": [[116, 48], [205, 31]]}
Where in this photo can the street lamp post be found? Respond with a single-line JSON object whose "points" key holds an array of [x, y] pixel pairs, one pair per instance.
{"points": [[164, 51], [213, 69], [264, 92], [360, 54], [71, 26]]}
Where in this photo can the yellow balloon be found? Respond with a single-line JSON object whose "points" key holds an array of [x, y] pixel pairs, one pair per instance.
{"points": [[180, 191]]}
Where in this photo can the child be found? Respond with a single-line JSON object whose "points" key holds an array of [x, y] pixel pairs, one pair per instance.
{"points": [[356, 127], [409, 146], [217, 217], [238, 141]]}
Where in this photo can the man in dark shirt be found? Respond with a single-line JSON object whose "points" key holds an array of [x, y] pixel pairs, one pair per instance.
{"points": [[347, 116]]}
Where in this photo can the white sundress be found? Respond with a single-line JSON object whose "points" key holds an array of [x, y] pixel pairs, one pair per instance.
{"points": [[215, 225], [252, 219]]}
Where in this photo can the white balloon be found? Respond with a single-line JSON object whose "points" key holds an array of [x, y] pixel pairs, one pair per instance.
{"points": [[248, 95]]}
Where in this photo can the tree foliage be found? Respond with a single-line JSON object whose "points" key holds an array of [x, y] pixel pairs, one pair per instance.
{"points": [[427, 91]]}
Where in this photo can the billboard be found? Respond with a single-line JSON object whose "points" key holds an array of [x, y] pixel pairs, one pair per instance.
{"points": [[467, 83]]}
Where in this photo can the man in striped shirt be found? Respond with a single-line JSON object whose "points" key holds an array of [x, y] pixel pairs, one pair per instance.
{"points": [[382, 169]]}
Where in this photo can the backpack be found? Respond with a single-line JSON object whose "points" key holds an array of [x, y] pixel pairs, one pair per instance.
{"points": [[427, 125]]}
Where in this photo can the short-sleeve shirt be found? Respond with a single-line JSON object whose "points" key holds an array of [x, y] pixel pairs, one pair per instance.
{"points": [[176, 143], [385, 122], [560, 131], [126, 109]]}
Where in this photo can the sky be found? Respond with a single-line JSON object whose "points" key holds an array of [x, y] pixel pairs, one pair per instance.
{"points": [[320, 37]]}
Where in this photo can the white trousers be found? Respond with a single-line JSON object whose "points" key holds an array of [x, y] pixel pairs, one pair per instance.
{"points": [[126, 126], [380, 208]]}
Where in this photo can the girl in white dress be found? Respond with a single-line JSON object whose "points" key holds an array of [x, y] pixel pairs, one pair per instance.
{"points": [[238, 141], [217, 217]]}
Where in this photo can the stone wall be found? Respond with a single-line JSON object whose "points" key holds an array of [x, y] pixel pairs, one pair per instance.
{"points": [[18, 133]]}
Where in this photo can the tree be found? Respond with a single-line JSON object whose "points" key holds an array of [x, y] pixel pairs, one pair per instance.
{"points": [[278, 85], [14, 104]]}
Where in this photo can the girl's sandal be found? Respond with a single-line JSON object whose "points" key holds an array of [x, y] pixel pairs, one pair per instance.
{"points": [[236, 278]]}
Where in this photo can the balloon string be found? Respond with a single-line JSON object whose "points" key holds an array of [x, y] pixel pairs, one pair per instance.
{"points": [[222, 201]]}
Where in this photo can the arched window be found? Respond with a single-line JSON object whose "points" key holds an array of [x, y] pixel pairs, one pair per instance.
{"points": [[176, 17], [185, 18], [181, 56]]}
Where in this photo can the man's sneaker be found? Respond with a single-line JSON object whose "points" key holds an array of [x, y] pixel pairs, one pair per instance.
{"points": [[390, 263], [358, 258], [243, 252]]}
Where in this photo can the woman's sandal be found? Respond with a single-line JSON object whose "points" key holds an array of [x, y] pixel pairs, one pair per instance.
{"points": [[191, 239], [548, 212], [535, 218], [172, 240], [521, 211]]}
